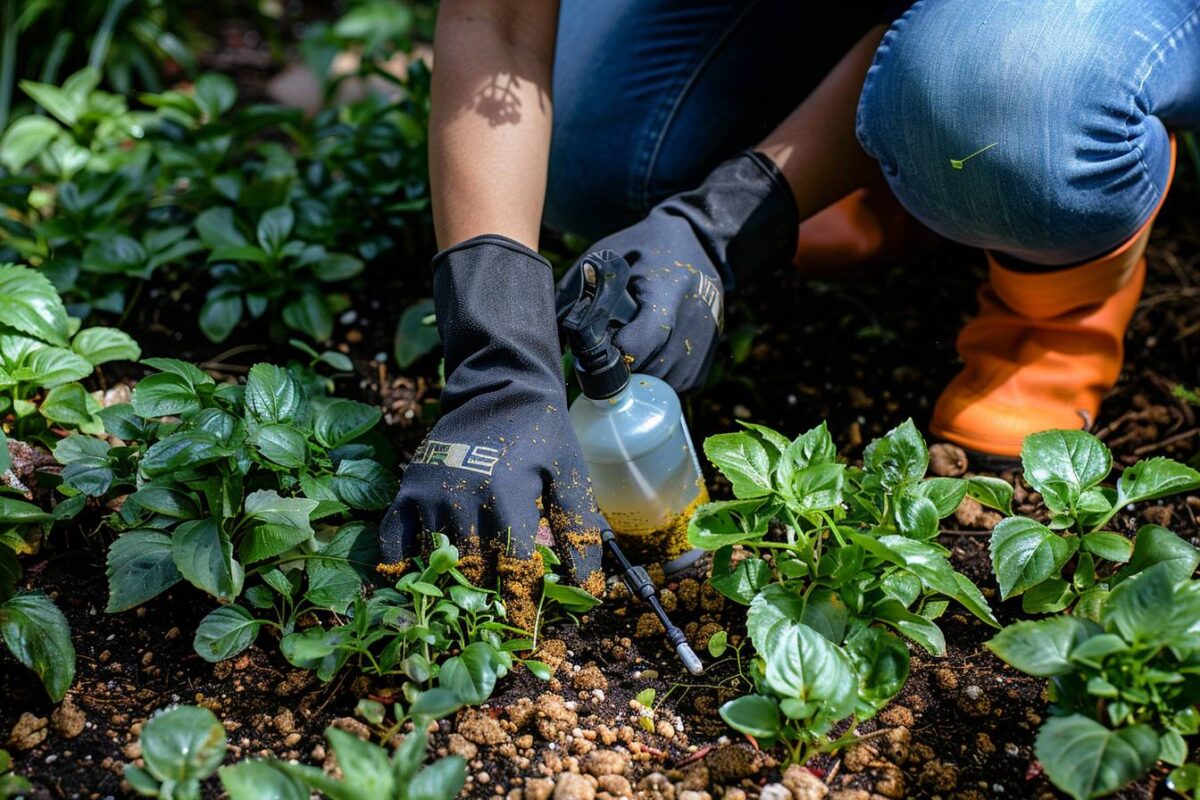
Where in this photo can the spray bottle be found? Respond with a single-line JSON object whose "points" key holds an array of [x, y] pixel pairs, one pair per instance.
{"points": [[633, 436], [631, 428]]}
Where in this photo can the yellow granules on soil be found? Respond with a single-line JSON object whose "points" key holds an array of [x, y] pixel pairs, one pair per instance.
{"points": [[520, 585], [662, 543]]}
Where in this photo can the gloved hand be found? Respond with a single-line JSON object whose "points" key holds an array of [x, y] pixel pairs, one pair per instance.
{"points": [[684, 255], [503, 454]]}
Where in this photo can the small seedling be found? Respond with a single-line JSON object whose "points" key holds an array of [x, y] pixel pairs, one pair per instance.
{"points": [[957, 163]]}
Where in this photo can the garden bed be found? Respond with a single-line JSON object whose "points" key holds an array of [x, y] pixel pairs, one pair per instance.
{"points": [[617, 716]]}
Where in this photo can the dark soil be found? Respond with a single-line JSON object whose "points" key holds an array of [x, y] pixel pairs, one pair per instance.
{"points": [[863, 355]]}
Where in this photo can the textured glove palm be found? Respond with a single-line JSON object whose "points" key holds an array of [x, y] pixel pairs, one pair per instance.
{"points": [[682, 258], [503, 454]]}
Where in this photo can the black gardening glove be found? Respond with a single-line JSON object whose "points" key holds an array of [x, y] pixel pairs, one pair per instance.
{"points": [[503, 454], [684, 255]]}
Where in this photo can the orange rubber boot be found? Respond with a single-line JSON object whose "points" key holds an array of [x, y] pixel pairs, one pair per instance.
{"points": [[1044, 349], [867, 227]]}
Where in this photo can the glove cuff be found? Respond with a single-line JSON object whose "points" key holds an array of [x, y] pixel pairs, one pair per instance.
{"points": [[494, 299], [489, 239], [753, 216]]}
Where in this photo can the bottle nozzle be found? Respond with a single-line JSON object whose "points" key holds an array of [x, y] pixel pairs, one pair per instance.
{"points": [[601, 301]]}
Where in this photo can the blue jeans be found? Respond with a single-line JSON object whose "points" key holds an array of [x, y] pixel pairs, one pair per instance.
{"points": [[1072, 99], [650, 95]]}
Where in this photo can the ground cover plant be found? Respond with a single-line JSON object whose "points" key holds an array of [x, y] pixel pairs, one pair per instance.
{"points": [[218, 353]]}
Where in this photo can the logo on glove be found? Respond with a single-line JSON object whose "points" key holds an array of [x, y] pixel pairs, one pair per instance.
{"points": [[710, 294], [473, 458]]}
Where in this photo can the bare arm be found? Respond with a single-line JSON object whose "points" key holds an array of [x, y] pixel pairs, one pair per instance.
{"points": [[815, 147], [489, 139]]}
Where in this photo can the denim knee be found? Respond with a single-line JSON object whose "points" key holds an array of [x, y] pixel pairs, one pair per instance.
{"points": [[1020, 126]]}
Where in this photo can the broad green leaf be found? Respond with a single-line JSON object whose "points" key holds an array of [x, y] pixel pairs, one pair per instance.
{"points": [[78, 447], [364, 484], [946, 494], [189, 449], [281, 444], [571, 598], [992, 492], [219, 315], [184, 743], [217, 228], [745, 580], [195, 376], [167, 501], [441, 779], [1155, 478], [164, 394], [899, 457], [1141, 606], [215, 94], [1042, 647], [115, 254], [1048, 597], [204, 557], [771, 606], [225, 632], [343, 421], [273, 395], [1155, 544], [92, 476], [1025, 553], [753, 715], [916, 515], [17, 511], [294, 512], [1109, 546], [1087, 760], [25, 139], [802, 664], [436, 703], [274, 227], [345, 564], [39, 636], [921, 630], [364, 765], [267, 541], [1063, 464], [472, 674], [881, 663], [67, 405], [826, 614], [814, 446], [725, 522], [140, 567], [337, 267], [67, 103], [310, 314], [101, 345], [743, 459], [261, 780], [818, 487], [54, 366]]}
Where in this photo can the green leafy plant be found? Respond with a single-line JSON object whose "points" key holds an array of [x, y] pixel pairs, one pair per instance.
{"points": [[44, 355], [263, 210], [31, 626], [830, 557], [182, 746], [251, 493], [558, 600], [1125, 686], [412, 629], [1073, 559], [11, 784], [367, 772]]}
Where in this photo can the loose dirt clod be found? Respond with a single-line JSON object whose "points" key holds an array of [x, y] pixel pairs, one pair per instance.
{"points": [[554, 718], [588, 678], [476, 726], [570, 786], [947, 460], [28, 733], [68, 719], [605, 762], [803, 784]]}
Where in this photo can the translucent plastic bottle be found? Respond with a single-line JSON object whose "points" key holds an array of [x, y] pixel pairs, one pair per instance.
{"points": [[644, 469]]}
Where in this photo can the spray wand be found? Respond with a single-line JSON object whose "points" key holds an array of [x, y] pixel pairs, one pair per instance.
{"points": [[637, 580]]}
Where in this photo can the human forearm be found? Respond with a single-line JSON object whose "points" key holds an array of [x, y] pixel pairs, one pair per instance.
{"points": [[815, 147], [491, 117]]}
